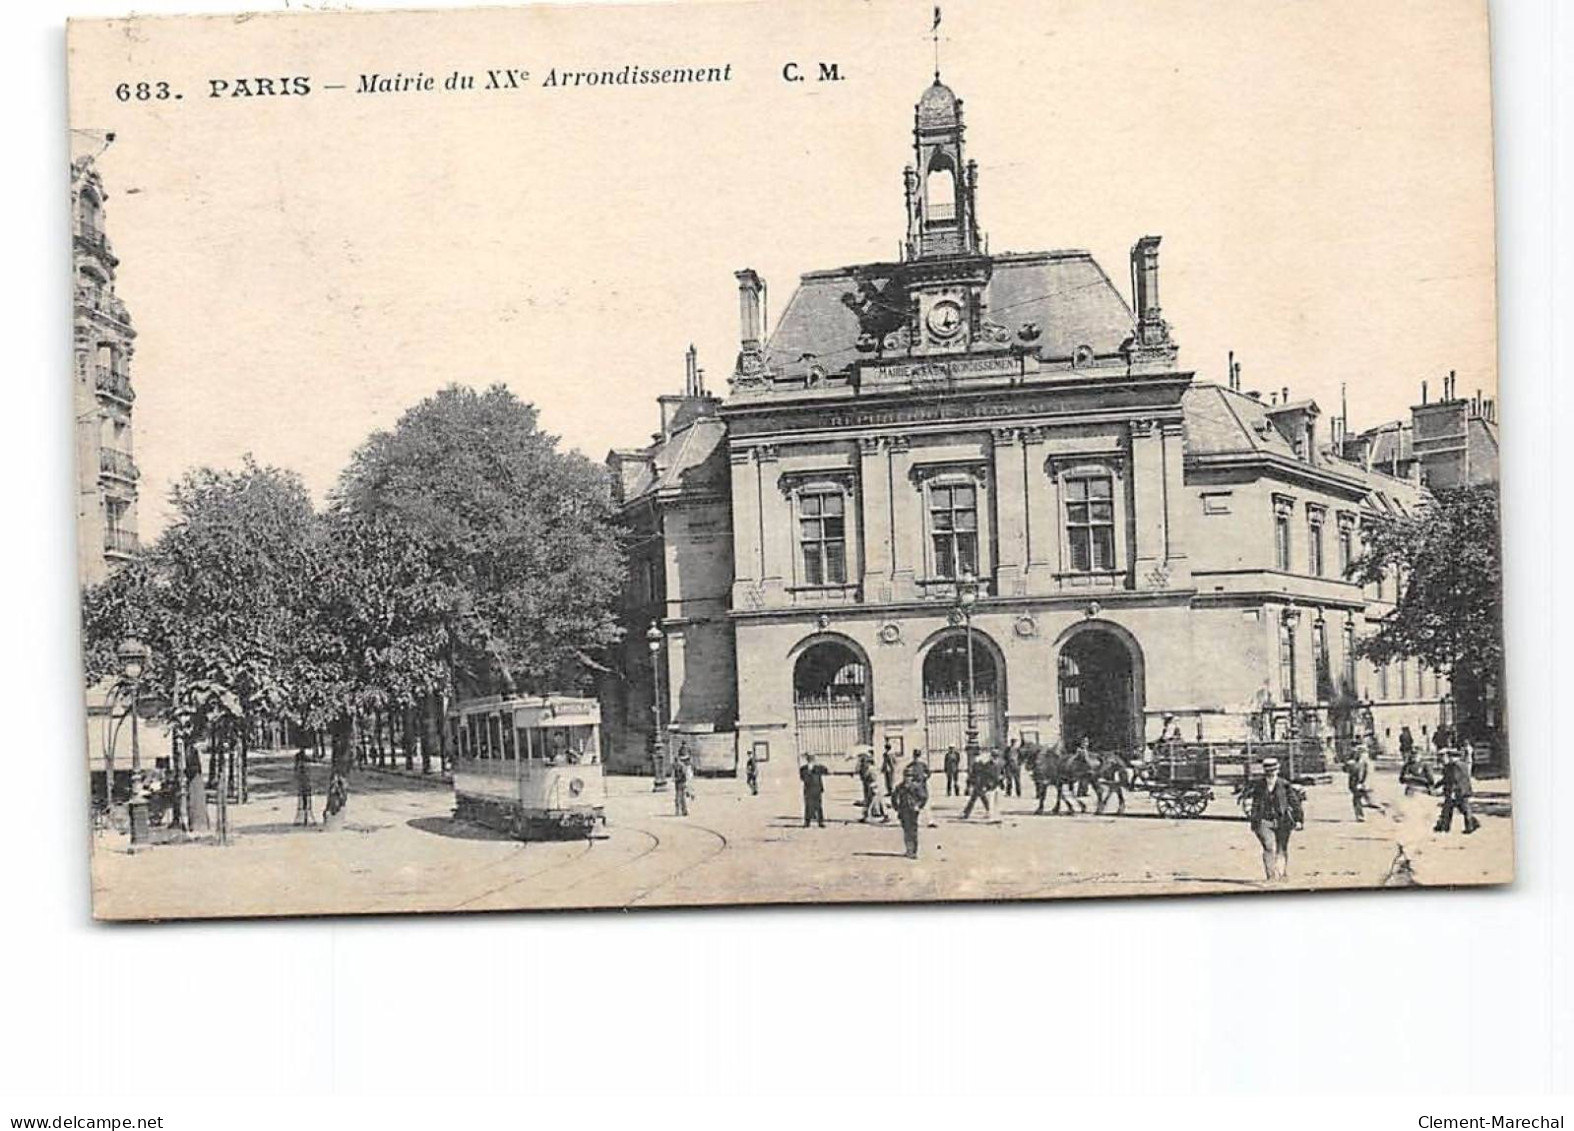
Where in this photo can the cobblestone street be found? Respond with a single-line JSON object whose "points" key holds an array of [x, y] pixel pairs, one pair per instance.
{"points": [[401, 850]]}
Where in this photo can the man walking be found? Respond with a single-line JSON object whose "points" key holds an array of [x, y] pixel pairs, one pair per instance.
{"points": [[888, 767], [303, 790], [953, 772], [1274, 809], [910, 797], [981, 780], [812, 774], [1457, 792], [1356, 771], [751, 774], [873, 805]]}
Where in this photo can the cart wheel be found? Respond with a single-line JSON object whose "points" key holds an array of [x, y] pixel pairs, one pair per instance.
{"points": [[1192, 804], [1167, 805]]}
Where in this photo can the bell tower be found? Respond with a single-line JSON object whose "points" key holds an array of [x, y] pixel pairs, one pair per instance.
{"points": [[942, 219]]}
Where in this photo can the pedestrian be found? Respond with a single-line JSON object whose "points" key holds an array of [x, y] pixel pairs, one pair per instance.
{"points": [[873, 805], [751, 774], [303, 790], [1407, 744], [953, 771], [1044, 773], [1356, 771], [1457, 792], [812, 774], [981, 781], [910, 797], [196, 793], [1274, 810], [1012, 777], [682, 776], [888, 767]]}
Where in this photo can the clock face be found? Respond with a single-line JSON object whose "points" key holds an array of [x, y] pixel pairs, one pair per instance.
{"points": [[945, 319]]}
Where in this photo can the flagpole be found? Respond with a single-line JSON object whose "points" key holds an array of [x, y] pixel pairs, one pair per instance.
{"points": [[934, 33]]}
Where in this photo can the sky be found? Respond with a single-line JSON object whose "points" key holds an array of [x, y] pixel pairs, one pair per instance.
{"points": [[302, 269]]}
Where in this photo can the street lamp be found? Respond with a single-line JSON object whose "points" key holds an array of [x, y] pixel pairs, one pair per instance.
{"points": [[1292, 618], [654, 638], [966, 598], [133, 656]]}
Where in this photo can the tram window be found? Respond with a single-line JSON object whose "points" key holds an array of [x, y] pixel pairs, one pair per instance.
{"points": [[522, 742], [508, 741]]}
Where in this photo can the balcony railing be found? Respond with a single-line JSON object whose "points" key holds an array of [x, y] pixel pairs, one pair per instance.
{"points": [[94, 241], [117, 464], [114, 385], [103, 302], [123, 542]]}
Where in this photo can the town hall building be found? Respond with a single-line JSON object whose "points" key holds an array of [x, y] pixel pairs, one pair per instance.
{"points": [[978, 493]]}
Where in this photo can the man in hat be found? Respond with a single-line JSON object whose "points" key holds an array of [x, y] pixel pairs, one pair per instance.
{"points": [[1012, 777], [888, 767], [1457, 792], [953, 771], [1356, 771], [873, 805], [910, 796], [812, 775], [1273, 807], [981, 781], [682, 774]]}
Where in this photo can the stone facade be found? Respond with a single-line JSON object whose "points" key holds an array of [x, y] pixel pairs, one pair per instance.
{"points": [[104, 343], [980, 488]]}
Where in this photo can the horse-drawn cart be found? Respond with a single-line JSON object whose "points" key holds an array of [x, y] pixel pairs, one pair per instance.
{"points": [[1179, 779], [1181, 776]]}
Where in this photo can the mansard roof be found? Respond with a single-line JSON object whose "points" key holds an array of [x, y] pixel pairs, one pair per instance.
{"points": [[1066, 294], [692, 459]]}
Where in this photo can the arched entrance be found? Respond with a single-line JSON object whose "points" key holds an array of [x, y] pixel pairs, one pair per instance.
{"points": [[1101, 690], [830, 698], [945, 688]]}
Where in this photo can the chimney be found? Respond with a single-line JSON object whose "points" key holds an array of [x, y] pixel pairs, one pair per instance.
{"points": [[1284, 395], [1423, 392], [1448, 394], [1255, 395], [1229, 371], [691, 384], [1145, 281], [750, 319]]}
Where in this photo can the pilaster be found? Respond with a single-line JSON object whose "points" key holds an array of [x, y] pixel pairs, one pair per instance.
{"points": [[1010, 528]]}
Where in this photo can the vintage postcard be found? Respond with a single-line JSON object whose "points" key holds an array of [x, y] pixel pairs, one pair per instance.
{"points": [[737, 453]]}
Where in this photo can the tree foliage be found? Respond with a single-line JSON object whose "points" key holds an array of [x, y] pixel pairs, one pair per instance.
{"points": [[520, 537], [1447, 557]]}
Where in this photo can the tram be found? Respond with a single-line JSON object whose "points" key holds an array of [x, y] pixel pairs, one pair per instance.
{"points": [[529, 766]]}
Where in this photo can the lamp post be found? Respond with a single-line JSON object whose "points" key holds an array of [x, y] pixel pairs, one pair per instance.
{"points": [[133, 655], [966, 597], [655, 638], [1292, 618]]}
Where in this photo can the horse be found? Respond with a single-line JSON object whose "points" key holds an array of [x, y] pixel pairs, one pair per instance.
{"points": [[1108, 774]]}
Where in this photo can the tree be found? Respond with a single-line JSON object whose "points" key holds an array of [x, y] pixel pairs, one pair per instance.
{"points": [[218, 599], [519, 539], [1448, 561]]}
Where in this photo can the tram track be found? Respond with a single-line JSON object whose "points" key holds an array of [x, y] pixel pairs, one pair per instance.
{"points": [[721, 847], [560, 865]]}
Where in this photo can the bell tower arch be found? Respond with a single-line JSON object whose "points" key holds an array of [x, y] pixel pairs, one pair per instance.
{"points": [[942, 219]]}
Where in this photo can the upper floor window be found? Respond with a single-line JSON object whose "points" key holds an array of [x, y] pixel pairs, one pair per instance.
{"points": [[1346, 548], [1281, 540], [822, 537], [953, 527], [1090, 522], [1314, 540]]}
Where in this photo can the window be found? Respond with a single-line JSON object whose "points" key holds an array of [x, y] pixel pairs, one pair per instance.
{"points": [[1324, 672], [953, 525], [1286, 660], [1281, 540], [1404, 680], [1382, 682], [1349, 657], [1346, 547], [1090, 522], [1314, 541], [822, 536]]}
